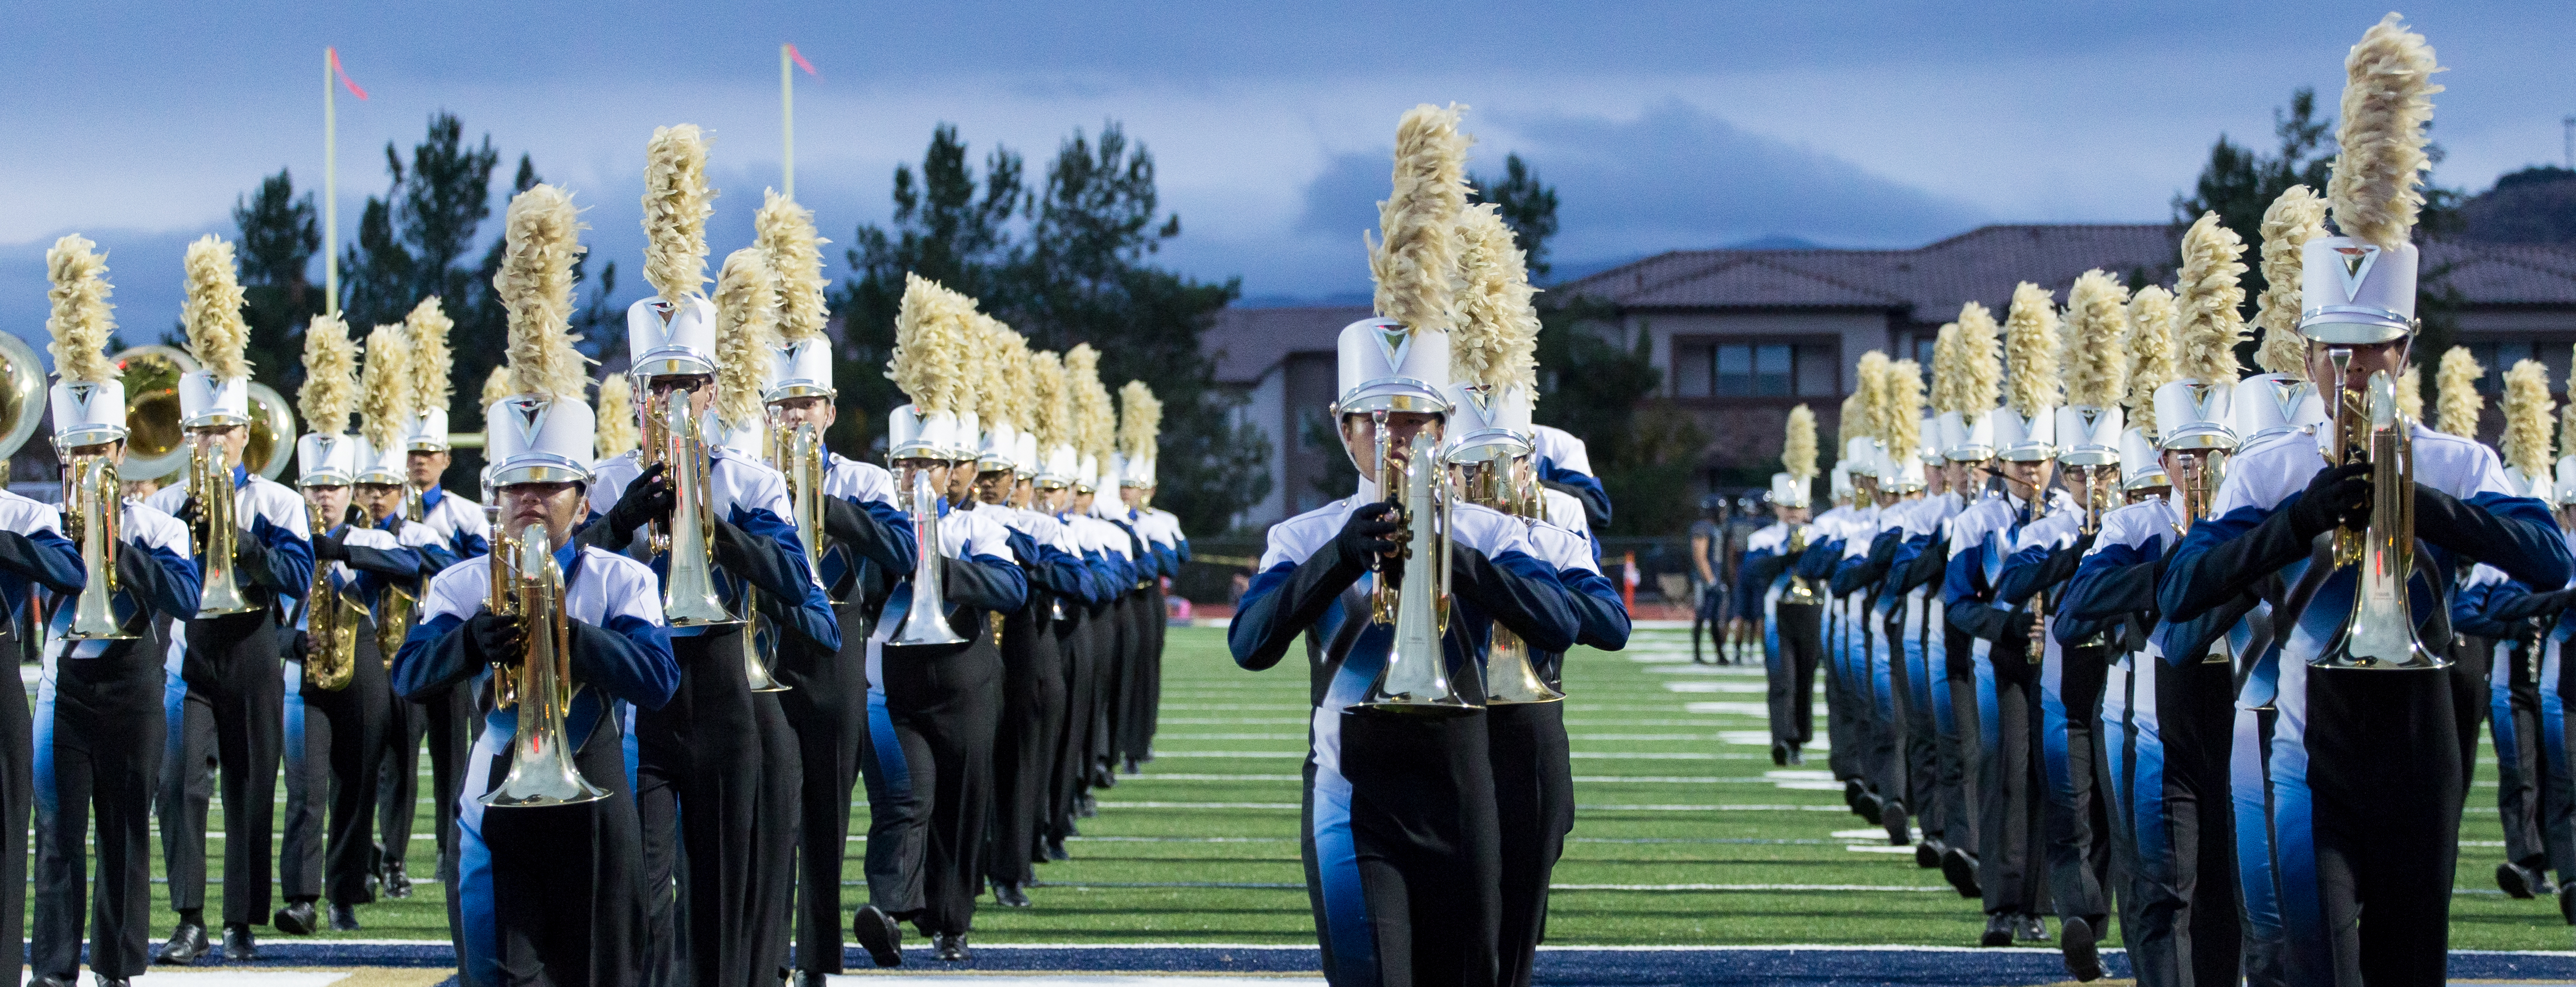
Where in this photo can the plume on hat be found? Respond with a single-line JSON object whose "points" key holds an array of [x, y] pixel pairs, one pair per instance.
{"points": [[330, 385], [2209, 300], [784, 232], [216, 333], [2097, 315], [1981, 355], [1949, 373], [1014, 379], [2567, 419], [1094, 424], [2456, 393], [431, 361], [2292, 220], [746, 333], [384, 386], [2528, 421], [1050, 400], [676, 206], [1416, 267], [1798, 449], [2387, 101], [1900, 420], [1140, 421], [1851, 422], [617, 431], [2031, 350], [1496, 340], [969, 358], [541, 242], [929, 330], [496, 385], [2151, 353], [2410, 393], [1001, 368], [82, 319], [1870, 400]]}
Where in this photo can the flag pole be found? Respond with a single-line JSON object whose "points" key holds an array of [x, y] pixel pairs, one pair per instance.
{"points": [[787, 115], [330, 193]]}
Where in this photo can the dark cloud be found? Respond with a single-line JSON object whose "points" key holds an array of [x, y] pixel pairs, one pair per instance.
{"points": [[142, 269]]}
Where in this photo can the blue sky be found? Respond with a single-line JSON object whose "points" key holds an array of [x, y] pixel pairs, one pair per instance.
{"points": [[1664, 125]]}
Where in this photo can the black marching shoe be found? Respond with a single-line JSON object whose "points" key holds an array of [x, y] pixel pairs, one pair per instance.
{"points": [[877, 933], [1055, 849], [1999, 931], [1009, 895], [2517, 881], [807, 978], [1779, 754], [1103, 777], [2031, 929], [1134, 766], [1852, 792], [950, 946], [239, 945], [397, 883], [1797, 758], [1892, 816], [2567, 903], [1960, 868], [1087, 806], [296, 919], [344, 918], [52, 981], [108, 981], [1927, 854], [2075, 942], [187, 943], [1871, 808]]}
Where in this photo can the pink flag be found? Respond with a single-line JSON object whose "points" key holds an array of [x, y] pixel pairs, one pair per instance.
{"points": [[344, 75], [801, 62]]}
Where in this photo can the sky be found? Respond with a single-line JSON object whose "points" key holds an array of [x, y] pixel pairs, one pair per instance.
{"points": [[1663, 125]]}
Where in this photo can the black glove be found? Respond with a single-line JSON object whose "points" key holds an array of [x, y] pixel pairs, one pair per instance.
{"points": [[730, 552], [355, 517], [2018, 626], [1372, 532], [492, 637], [302, 648], [330, 548], [2336, 495], [192, 512], [645, 500]]}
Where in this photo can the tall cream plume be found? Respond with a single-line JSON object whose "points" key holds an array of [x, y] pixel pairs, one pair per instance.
{"points": [[676, 206], [746, 333], [1798, 449], [2031, 350], [2527, 419], [2567, 419], [2456, 395], [784, 232], [2387, 101], [82, 319], [928, 332], [967, 357], [1140, 422], [617, 431], [2209, 302], [496, 385], [1901, 424], [2151, 353], [384, 388], [1981, 356], [432, 362], [1015, 381], [1949, 371], [1417, 265], [1094, 425], [997, 350], [1051, 401], [2097, 315], [2292, 220], [216, 333], [535, 284], [1851, 422], [1496, 340], [2410, 393], [1871, 401], [330, 376]]}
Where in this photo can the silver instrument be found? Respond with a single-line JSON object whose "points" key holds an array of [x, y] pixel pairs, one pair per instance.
{"points": [[210, 481], [2368, 427], [689, 596], [94, 496], [542, 772], [927, 621], [1416, 676]]}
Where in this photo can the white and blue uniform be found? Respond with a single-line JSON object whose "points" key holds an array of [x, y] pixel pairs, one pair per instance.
{"points": [[1792, 632], [457, 524], [2009, 717], [1033, 690], [335, 738], [2524, 690], [1907, 595], [451, 529]]}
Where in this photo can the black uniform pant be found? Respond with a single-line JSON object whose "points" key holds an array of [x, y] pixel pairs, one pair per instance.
{"points": [[335, 753], [99, 734], [826, 704], [1883, 659], [928, 762], [1077, 650], [446, 721], [2472, 661], [1145, 671], [2010, 859], [1024, 749], [2187, 929], [768, 913], [1844, 726], [2383, 835], [1918, 659], [2077, 811], [1425, 837], [567, 896], [1957, 746], [697, 785], [2522, 762], [1118, 677], [1790, 669], [236, 687], [1534, 804]]}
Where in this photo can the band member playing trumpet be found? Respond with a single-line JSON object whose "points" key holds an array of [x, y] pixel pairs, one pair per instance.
{"points": [[1789, 609], [552, 887], [251, 542], [122, 590]]}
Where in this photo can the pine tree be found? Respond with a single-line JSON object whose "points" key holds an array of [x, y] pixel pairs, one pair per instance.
{"points": [[1526, 204], [279, 235]]}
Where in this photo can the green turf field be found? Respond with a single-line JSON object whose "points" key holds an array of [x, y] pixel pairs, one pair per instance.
{"points": [[1685, 833]]}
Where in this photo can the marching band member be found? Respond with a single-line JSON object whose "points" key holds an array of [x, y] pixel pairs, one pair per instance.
{"points": [[99, 730], [934, 676], [1966, 403], [2533, 796], [1111, 549], [1400, 831], [1140, 418], [1890, 408], [339, 701], [1054, 423], [551, 888], [1913, 571], [2009, 866], [1565, 467], [698, 760], [1791, 610], [2365, 781], [233, 667]]}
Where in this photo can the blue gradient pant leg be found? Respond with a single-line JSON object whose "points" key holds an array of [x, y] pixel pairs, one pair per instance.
{"points": [[2188, 929], [2011, 861], [2079, 858], [2558, 782], [2513, 696]]}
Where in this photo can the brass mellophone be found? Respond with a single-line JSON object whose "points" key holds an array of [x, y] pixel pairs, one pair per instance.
{"points": [[927, 620], [210, 482], [1510, 676], [331, 624], [94, 498], [542, 771], [1416, 676], [2369, 428], [673, 438]]}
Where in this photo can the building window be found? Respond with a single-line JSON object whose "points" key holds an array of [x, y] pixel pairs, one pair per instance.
{"points": [[1757, 369], [2500, 356]]}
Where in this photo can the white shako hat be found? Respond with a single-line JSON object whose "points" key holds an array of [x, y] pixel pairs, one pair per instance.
{"points": [[802, 368], [750, 438], [1861, 457], [2023, 440], [913, 435], [327, 460], [2089, 436], [966, 442], [87, 412], [207, 402], [1384, 367], [1487, 423], [1905, 475], [2543, 488], [428, 432], [2356, 293], [1930, 445], [1840, 481], [1086, 474], [1024, 453], [665, 338], [1000, 449], [389, 466], [2193, 415], [2269, 405], [1138, 473], [1788, 491], [1059, 467], [535, 438], [2139, 467], [1964, 441], [2566, 492]]}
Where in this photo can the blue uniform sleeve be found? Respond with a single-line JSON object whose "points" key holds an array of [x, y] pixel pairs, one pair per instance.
{"points": [[1182, 549], [1817, 563], [1601, 621], [468, 545], [1286, 599], [1518, 591], [1962, 587], [1165, 562], [2487, 610], [435, 559], [283, 560], [2515, 534], [985, 582], [46, 558], [1596, 501], [159, 578], [381, 567], [433, 658], [1753, 580], [630, 659], [2116, 581], [764, 550]]}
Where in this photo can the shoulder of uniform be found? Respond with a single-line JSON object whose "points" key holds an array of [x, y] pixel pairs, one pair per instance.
{"points": [[608, 563]]}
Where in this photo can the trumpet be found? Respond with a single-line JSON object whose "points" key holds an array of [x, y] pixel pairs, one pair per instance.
{"points": [[1511, 678], [210, 482], [1416, 676], [1801, 590], [331, 622], [91, 489], [927, 621], [2368, 427], [542, 772], [689, 597], [797, 451]]}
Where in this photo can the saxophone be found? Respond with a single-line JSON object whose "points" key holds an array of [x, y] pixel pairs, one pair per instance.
{"points": [[331, 623]]}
